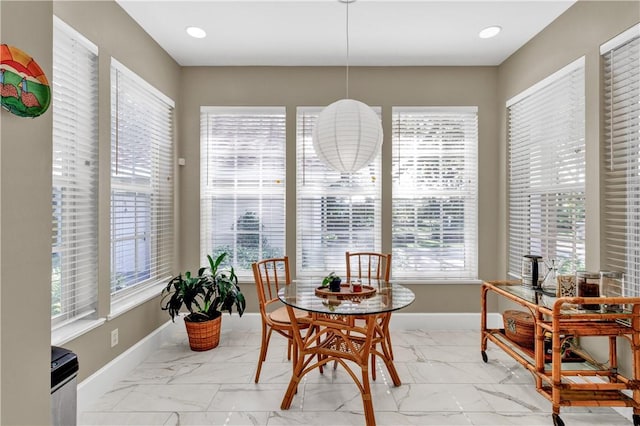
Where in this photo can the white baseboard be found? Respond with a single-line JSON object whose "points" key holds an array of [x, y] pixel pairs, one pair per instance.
{"points": [[103, 380], [399, 321]]}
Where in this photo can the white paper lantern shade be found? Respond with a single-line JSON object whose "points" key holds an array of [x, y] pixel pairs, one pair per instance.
{"points": [[347, 135]]}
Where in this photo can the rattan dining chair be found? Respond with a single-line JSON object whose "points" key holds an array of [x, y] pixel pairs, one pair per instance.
{"points": [[270, 275], [371, 266]]}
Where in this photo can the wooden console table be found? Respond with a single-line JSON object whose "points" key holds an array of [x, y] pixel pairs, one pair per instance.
{"points": [[584, 383]]}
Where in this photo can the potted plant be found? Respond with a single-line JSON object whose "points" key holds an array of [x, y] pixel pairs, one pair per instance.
{"points": [[332, 281], [205, 296]]}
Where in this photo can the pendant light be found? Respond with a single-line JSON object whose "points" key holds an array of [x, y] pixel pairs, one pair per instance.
{"points": [[348, 133]]}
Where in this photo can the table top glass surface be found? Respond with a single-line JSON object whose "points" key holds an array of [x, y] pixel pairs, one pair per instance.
{"points": [[535, 296], [541, 297], [388, 297]]}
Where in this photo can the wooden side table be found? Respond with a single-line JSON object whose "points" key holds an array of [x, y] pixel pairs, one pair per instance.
{"points": [[585, 383]]}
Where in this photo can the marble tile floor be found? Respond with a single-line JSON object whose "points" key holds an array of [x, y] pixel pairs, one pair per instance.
{"points": [[444, 379]]}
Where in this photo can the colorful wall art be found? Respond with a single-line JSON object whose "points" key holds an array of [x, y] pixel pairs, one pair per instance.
{"points": [[24, 88]]}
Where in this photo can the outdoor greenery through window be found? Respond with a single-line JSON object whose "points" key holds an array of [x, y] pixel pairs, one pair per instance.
{"points": [[336, 212], [621, 155], [74, 280], [142, 183], [434, 222], [242, 188], [546, 126]]}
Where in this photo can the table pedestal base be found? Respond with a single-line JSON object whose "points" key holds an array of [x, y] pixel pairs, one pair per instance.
{"points": [[336, 338]]}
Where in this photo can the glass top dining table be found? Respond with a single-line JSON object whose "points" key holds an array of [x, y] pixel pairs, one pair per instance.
{"points": [[332, 334], [377, 297]]}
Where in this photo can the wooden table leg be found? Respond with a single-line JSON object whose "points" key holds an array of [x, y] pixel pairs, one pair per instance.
{"points": [[483, 322]]}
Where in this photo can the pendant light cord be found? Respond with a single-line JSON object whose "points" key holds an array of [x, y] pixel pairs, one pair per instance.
{"points": [[347, 30]]}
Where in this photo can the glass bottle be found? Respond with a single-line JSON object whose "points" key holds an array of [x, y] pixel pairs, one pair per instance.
{"points": [[611, 283], [550, 283], [588, 285]]}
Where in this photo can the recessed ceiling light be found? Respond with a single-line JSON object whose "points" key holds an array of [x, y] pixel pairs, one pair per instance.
{"points": [[196, 32], [490, 32]]}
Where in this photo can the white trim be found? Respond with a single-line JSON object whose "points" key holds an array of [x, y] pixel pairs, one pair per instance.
{"points": [[103, 380], [309, 109], [578, 63], [620, 39], [435, 109], [443, 321], [74, 329], [242, 110], [142, 82], [437, 281], [122, 303], [74, 34]]}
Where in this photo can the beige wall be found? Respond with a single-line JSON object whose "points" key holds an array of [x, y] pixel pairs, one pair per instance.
{"points": [[25, 205], [25, 248], [25, 164], [578, 32], [316, 86], [140, 53]]}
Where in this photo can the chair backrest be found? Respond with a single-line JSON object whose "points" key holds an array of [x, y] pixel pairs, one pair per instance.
{"points": [[368, 265], [270, 275]]}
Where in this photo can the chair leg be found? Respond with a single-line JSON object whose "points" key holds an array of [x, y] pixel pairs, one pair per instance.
{"points": [[264, 345], [367, 402], [292, 389], [373, 363], [387, 335]]}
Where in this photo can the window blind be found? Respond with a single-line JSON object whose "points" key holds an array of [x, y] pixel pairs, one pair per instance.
{"points": [[74, 175], [621, 154], [547, 171], [435, 183], [336, 212], [242, 188], [142, 187]]}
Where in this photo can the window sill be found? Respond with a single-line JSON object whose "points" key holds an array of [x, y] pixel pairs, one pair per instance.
{"points": [[68, 332], [133, 300], [442, 281]]}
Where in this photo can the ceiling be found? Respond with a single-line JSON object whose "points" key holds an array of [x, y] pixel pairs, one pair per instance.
{"points": [[314, 32]]}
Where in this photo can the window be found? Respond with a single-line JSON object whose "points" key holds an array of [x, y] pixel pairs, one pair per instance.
{"points": [[336, 211], [434, 222], [75, 175], [242, 188], [621, 154], [547, 171], [141, 182]]}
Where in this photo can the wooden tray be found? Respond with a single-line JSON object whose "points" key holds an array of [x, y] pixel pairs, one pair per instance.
{"points": [[346, 293]]}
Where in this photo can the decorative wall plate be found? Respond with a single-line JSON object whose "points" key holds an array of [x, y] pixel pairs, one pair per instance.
{"points": [[24, 88]]}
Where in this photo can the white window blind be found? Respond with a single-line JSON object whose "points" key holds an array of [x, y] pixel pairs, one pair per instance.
{"points": [[547, 171], [142, 198], [621, 149], [242, 188], [336, 212], [435, 186], [74, 280]]}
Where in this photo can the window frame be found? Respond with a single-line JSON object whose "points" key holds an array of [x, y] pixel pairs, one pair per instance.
{"points": [[157, 182], [365, 181], [620, 220], [260, 189], [75, 172], [571, 189], [466, 188]]}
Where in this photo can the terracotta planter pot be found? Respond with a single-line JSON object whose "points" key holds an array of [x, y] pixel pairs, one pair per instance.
{"points": [[204, 335]]}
